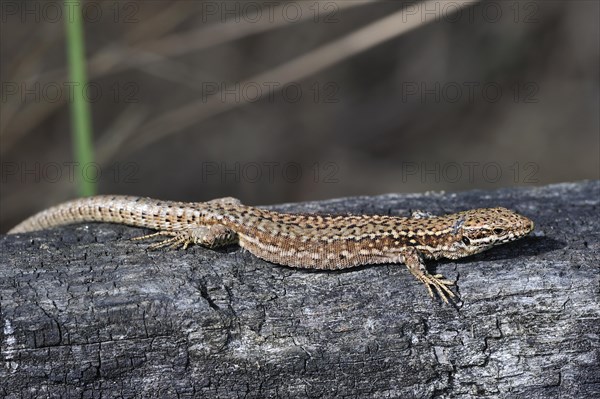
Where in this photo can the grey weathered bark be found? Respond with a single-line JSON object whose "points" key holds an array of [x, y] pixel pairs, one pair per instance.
{"points": [[87, 313]]}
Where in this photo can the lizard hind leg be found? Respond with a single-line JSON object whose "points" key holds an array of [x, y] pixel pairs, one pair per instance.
{"points": [[213, 236]]}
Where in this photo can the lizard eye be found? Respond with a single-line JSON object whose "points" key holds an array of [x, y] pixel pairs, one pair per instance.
{"points": [[466, 241], [498, 231]]}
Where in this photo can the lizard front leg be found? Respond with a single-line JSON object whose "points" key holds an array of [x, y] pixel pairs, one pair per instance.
{"points": [[414, 262], [213, 236]]}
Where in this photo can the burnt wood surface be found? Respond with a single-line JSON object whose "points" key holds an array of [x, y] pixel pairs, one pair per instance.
{"points": [[87, 313]]}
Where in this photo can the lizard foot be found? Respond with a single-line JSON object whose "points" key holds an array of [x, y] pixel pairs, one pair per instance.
{"points": [[413, 260], [439, 283], [208, 236], [177, 239]]}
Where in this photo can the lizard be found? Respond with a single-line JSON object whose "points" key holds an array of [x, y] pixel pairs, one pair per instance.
{"points": [[312, 241]]}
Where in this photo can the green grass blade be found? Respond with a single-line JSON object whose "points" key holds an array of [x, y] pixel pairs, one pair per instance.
{"points": [[81, 123]]}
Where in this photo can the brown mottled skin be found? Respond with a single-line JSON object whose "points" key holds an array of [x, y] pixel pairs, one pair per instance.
{"points": [[305, 241]]}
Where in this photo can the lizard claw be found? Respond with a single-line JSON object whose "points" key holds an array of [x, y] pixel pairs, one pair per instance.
{"points": [[440, 284], [208, 236], [177, 239], [412, 259]]}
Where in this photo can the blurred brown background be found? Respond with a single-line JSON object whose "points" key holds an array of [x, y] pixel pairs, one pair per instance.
{"points": [[301, 100]]}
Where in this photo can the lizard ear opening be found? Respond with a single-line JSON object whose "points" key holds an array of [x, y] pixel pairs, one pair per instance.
{"points": [[466, 240]]}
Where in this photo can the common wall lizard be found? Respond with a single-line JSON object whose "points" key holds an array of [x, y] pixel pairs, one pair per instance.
{"points": [[301, 240]]}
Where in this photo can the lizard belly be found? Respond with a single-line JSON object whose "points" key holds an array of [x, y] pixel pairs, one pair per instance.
{"points": [[315, 254]]}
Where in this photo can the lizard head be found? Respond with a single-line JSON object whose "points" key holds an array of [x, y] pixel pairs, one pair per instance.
{"points": [[480, 229]]}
